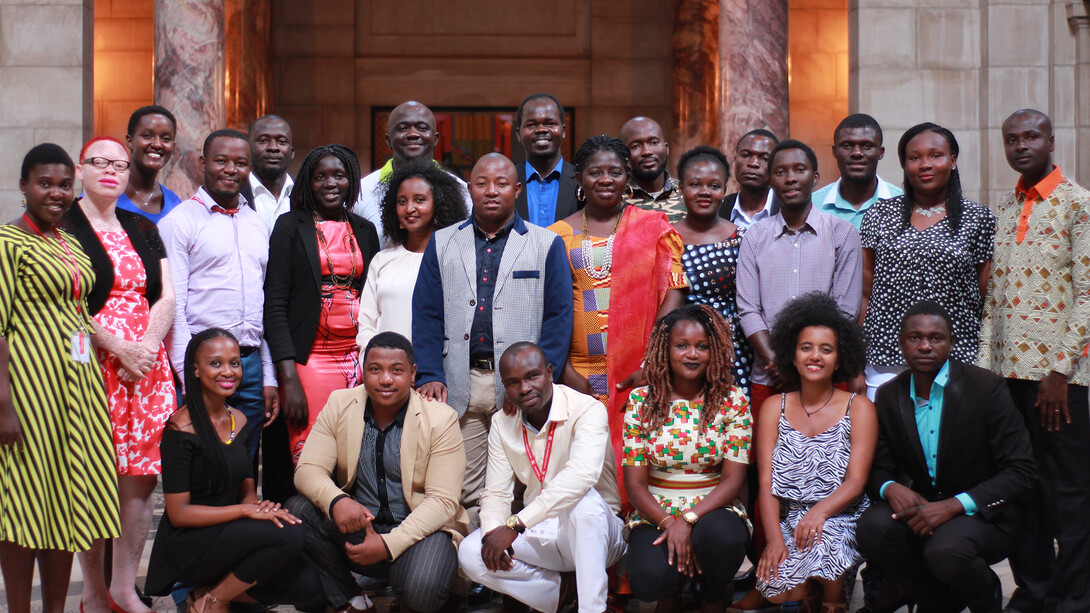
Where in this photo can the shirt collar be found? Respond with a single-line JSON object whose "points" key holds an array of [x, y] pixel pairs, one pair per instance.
{"points": [[809, 225], [515, 222], [937, 386], [399, 418], [667, 187], [558, 412], [555, 172], [1043, 189], [832, 197], [761, 214], [206, 199], [258, 186]]}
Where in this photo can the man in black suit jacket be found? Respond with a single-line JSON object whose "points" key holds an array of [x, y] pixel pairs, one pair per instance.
{"points": [[952, 459], [548, 182]]}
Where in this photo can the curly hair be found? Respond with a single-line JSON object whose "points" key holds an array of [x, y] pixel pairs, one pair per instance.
{"points": [[717, 380], [953, 186], [816, 309], [448, 201], [602, 142], [302, 196], [702, 153]]}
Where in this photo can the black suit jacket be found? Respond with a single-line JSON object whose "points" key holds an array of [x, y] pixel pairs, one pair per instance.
{"points": [[293, 282], [727, 209], [566, 204], [984, 447], [145, 240]]}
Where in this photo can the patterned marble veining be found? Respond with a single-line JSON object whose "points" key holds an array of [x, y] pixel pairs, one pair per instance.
{"points": [[248, 77], [695, 89], [189, 70], [753, 68]]}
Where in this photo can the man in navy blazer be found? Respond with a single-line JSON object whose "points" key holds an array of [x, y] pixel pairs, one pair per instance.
{"points": [[548, 182], [483, 286], [952, 460]]}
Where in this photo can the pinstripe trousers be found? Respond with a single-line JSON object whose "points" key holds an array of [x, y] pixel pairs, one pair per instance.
{"points": [[422, 576]]}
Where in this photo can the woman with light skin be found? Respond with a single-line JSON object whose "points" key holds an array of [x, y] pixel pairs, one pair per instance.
{"points": [[150, 139], [420, 198], [216, 534], [132, 305], [56, 454]]}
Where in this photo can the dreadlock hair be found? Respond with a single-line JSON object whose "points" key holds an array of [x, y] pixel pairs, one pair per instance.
{"points": [[953, 186], [302, 197], [211, 445], [448, 203], [602, 142], [717, 380], [809, 310]]}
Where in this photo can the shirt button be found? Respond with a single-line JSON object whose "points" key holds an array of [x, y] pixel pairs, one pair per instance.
{"points": [[472, 303], [466, 337]]}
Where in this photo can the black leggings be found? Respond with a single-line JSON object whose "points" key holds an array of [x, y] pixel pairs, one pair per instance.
{"points": [[256, 551], [719, 539]]}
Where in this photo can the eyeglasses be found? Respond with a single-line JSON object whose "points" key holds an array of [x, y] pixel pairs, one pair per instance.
{"points": [[102, 163]]}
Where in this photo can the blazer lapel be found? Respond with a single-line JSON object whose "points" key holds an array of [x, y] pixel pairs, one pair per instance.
{"points": [[353, 439], [908, 420], [516, 241], [565, 198], [310, 244], [521, 205], [467, 248], [951, 400], [409, 438]]}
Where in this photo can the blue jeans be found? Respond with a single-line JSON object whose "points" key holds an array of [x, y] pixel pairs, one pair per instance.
{"points": [[250, 399]]}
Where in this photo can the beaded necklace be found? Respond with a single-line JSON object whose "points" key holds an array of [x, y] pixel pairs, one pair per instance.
{"points": [[607, 260]]}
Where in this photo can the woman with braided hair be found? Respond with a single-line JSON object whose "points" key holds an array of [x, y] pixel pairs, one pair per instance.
{"points": [[686, 448]]}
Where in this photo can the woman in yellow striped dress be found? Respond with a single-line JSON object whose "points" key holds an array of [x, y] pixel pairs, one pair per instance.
{"points": [[58, 485]]}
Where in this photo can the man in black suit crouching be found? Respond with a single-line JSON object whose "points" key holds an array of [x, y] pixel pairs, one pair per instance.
{"points": [[953, 457]]}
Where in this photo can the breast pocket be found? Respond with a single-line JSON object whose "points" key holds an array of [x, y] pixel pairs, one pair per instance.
{"points": [[526, 274]]}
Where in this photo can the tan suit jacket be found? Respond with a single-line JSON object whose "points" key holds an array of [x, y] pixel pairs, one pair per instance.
{"points": [[433, 464]]}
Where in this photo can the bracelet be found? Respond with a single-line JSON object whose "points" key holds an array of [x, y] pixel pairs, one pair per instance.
{"points": [[663, 521]]}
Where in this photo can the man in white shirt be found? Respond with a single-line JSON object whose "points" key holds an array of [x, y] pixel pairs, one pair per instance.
{"points": [[555, 441], [754, 199], [270, 183], [411, 136]]}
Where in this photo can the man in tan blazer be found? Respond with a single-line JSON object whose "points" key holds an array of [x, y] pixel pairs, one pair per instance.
{"points": [[379, 481]]}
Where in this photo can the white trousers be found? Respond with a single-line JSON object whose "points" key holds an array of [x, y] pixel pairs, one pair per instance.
{"points": [[588, 541]]}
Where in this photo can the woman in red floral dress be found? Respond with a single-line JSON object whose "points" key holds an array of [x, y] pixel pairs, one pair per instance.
{"points": [[132, 304]]}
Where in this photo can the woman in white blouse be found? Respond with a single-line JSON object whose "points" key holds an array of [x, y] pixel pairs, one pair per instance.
{"points": [[420, 198]]}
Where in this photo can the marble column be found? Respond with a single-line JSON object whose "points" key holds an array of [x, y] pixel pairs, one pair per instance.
{"points": [[753, 69], [1078, 17], [695, 88], [189, 76], [248, 77]]}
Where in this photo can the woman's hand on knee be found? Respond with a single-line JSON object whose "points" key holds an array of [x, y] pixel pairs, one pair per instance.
{"points": [[768, 567]]}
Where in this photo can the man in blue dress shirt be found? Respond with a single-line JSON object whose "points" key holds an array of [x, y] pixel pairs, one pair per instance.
{"points": [[548, 182]]}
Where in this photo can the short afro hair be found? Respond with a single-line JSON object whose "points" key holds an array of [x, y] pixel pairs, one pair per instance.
{"points": [[151, 109], [389, 340], [789, 144], [702, 153], [928, 307], [222, 133], [537, 96], [44, 155], [817, 309]]}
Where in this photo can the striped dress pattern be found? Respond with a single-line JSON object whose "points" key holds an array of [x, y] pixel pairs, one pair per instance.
{"points": [[59, 490], [805, 471]]}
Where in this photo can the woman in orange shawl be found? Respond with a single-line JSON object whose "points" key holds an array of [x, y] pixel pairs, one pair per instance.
{"points": [[626, 271]]}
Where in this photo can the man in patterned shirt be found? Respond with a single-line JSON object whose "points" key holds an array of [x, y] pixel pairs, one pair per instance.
{"points": [[1035, 332], [651, 186]]}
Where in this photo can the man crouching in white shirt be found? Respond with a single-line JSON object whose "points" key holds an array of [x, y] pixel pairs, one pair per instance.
{"points": [[555, 441]]}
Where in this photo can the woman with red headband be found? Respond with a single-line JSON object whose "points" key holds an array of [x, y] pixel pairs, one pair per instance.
{"points": [[132, 305]]}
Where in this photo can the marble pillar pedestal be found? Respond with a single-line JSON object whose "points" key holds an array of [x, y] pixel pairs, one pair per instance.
{"points": [[189, 71]]}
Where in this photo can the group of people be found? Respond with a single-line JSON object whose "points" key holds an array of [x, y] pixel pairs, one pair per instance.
{"points": [[443, 376]]}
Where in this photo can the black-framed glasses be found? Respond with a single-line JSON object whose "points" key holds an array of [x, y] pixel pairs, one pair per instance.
{"points": [[102, 163]]}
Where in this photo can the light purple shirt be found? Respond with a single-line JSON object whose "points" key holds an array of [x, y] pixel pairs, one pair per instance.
{"points": [[776, 265], [218, 264]]}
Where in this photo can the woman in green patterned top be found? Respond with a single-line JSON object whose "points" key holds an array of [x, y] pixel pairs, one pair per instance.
{"points": [[684, 466], [58, 492]]}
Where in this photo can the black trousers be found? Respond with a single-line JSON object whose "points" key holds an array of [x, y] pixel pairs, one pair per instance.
{"points": [[719, 538], [256, 550], [422, 576], [946, 571], [1058, 509]]}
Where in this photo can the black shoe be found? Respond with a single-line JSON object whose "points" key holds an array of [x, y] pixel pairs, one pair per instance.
{"points": [[478, 595]]}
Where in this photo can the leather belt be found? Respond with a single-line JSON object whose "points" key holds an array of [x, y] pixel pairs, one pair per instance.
{"points": [[246, 351], [482, 363]]}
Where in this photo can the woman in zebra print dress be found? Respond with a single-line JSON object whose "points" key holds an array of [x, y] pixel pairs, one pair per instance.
{"points": [[814, 457], [58, 490]]}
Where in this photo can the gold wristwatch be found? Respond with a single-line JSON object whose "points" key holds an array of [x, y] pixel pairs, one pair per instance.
{"points": [[690, 517], [516, 524]]}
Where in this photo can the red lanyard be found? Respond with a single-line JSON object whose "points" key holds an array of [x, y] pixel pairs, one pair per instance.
{"points": [[70, 262], [539, 472]]}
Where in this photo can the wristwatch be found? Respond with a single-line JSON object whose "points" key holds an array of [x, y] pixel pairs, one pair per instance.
{"points": [[516, 524], [690, 517]]}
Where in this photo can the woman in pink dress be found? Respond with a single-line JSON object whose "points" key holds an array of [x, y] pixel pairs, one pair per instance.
{"points": [[318, 258], [132, 305]]}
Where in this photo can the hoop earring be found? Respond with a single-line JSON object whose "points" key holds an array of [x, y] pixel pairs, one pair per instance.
{"points": [[579, 195]]}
